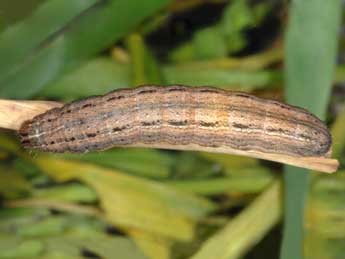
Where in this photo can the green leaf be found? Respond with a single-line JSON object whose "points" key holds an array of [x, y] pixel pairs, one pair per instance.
{"points": [[337, 132], [243, 181], [20, 214], [325, 236], [21, 249], [205, 38], [72, 243], [74, 192], [191, 166], [132, 202], [311, 46], [95, 77], [223, 78], [13, 184], [154, 246], [145, 69], [62, 236], [23, 38], [101, 75], [149, 163], [20, 42], [68, 44], [230, 161], [225, 37], [244, 231]]}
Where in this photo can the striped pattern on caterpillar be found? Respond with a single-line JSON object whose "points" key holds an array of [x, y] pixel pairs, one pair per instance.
{"points": [[175, 116]]}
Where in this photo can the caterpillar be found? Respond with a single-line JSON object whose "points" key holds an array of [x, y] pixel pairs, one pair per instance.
{"points": [[176, 116]]}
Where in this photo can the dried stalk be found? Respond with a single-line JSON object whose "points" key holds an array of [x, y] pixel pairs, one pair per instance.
{"points": [[14, 113]]}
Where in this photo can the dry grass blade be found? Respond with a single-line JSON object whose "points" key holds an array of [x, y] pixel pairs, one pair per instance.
{"points": [[14, 113]]}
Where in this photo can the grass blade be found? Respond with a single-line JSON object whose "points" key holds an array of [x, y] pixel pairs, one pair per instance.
{"points": [[73, 43], [133, 202], [25, 37], [311, 45], [243, 231]]}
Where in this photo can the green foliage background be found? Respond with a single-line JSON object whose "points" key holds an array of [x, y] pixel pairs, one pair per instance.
{"points": [[141, 203]]}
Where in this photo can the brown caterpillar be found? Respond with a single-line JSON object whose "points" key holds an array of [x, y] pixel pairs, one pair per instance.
{"points": [[177, 116]]}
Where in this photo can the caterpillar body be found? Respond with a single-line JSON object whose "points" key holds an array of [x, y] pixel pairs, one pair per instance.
{"points": [[177, 116]]}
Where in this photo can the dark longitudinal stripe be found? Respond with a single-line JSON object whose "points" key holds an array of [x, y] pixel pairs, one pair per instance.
{"points": [[151, 123], [115, 98], [150, 91], [178, 123], [240, 126], [209, 124], [177, 89], [121, 128], [87, 105], [209, 91], [244, 96]]}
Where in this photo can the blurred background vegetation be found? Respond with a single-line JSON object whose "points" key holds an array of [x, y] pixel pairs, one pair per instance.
{"points": [[142, 203]]}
